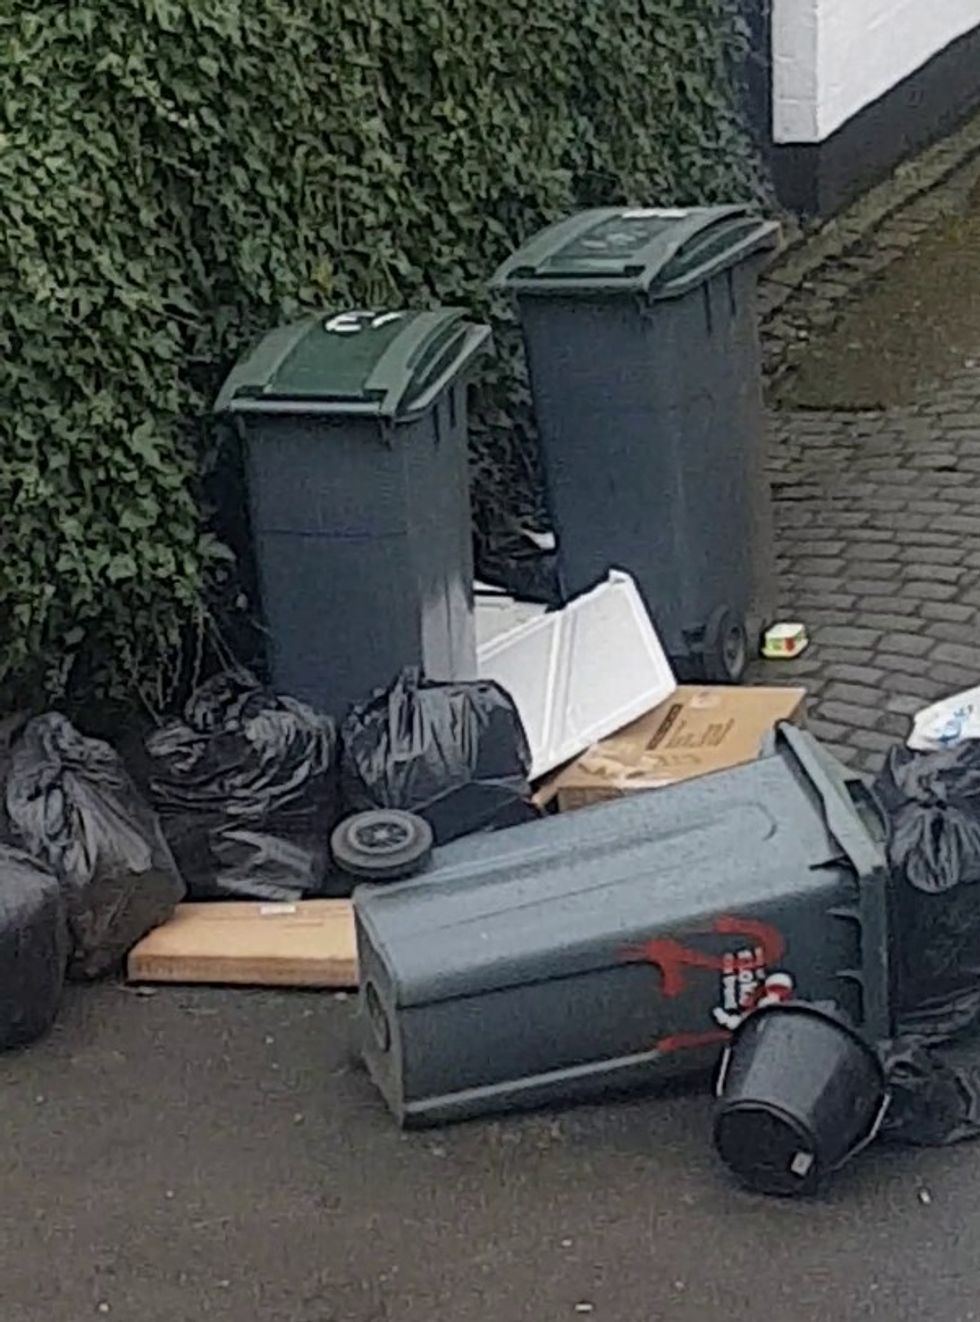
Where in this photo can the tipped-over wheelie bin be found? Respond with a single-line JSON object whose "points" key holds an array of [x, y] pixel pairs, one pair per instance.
{"points": [[621, 945], [355, 436], [643, 352]]}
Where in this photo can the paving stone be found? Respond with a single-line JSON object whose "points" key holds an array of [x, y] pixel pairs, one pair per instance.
{"points": [[867, 606], [848, 635], [813, 547], [950, 612], [883, 571], [817, 567], [906, 644], [861, 694], [848, 519], [957, 654], [897, 661], [933, 555], [936, 509], [902, 705], [964, 523], [929, 591], [886, 620], [813, 584], [936, 573], [872, 535], [849, 713], [855, 656], [864, 550], [826, 730], [895, 724], [846, 673], [964, 634], [954, 678], [916, 686], [873, 741], [927, 537]]}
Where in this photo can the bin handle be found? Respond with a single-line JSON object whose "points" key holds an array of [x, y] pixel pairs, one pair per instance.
{"points": [[869, 1137], [804, 751], [394, 373], [478, 339], [764, 236]]}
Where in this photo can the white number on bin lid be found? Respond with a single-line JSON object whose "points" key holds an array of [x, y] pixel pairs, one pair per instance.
{"points": [[352, 323]]}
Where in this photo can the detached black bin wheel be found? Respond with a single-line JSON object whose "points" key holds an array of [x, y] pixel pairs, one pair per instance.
{"points": [[726, 647], [385, 844]]}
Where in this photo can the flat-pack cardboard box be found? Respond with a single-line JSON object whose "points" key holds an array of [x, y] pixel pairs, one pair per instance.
{"points": [[693, 732]]}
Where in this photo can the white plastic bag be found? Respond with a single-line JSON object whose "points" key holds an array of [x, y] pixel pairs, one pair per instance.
{"points": [[947, 723]]}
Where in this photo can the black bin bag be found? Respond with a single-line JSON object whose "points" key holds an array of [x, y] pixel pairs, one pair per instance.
{"points": [[33, 948], [73, 807], [246, 789], [932, 802], [454, 753]]}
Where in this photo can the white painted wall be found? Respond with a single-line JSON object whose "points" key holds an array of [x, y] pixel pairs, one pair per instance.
{"points": [[833, 57]]}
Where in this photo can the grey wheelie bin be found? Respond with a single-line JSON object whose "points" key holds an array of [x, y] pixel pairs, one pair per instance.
{"points": [[355, 435], [642, 345], [620, 946]]}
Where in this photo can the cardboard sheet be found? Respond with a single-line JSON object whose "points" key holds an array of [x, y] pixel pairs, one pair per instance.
{"points": [[696, 731], [307, 944]]}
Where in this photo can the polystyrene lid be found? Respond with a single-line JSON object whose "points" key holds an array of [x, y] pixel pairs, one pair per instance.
{"points": [[581, 673]]}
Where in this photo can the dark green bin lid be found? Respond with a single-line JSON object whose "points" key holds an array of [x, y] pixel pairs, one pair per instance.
{"points": [[661, 253], [389, 365]]}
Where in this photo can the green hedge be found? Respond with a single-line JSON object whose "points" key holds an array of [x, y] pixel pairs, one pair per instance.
{"points": [[179, 174]]}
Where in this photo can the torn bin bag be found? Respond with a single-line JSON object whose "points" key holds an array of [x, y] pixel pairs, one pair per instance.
{"points": [[73, 807], [33, 948], [245, 787], [455, 753]]}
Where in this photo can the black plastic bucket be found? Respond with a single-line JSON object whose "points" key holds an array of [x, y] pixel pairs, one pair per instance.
{"points": [[800, 1093]]}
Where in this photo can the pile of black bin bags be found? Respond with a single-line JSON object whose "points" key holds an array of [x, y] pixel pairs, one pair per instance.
{"points": [[932, 803], [236, 800]]}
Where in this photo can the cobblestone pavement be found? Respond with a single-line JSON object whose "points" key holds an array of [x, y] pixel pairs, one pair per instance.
{"points": [[878, 533], [871, 337]]}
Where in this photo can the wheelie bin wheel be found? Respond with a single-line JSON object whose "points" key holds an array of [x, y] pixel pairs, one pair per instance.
{"points": [[385, 844], [726, 647]]}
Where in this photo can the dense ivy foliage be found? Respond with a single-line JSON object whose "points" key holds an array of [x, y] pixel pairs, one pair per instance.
{"points": [[177, 175]]}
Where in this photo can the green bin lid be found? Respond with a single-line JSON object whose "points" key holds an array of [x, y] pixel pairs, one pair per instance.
{"points": [[377, 364], [662, 253]]}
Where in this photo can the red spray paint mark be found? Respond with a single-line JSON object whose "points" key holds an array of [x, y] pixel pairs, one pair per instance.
{"points": [[762, 946]]}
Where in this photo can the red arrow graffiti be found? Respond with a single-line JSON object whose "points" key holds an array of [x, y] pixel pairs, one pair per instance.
{"points": [[673, 960]]}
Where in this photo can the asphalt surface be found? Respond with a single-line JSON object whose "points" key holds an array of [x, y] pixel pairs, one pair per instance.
{"points": [[218, 1155]]}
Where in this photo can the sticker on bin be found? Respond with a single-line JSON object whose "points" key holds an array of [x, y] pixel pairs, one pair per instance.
{"points": [[581, 673]]}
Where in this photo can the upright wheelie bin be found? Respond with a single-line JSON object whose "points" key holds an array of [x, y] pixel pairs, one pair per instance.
{"points": [[643, 352], [355, 435], [621, 945]]}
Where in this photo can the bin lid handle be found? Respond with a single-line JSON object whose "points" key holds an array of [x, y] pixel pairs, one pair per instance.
{"points": [[758, 237], [837, 789], [416, 366]]}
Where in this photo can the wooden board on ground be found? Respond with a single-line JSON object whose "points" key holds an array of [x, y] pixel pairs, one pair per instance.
{"points": [[307, 944]]}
